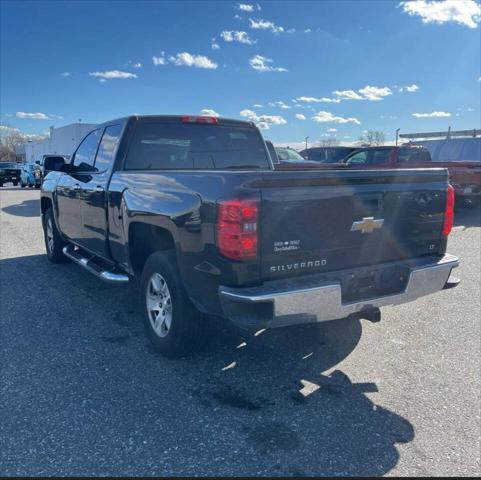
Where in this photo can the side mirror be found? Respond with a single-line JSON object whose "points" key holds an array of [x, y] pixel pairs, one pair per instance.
{"points": [[54, 163]]}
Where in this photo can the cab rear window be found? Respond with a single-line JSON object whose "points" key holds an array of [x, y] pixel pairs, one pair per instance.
{"points": [[171, 146]]}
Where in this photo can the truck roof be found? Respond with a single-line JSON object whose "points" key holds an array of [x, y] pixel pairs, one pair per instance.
{"points": [[173, 118]]}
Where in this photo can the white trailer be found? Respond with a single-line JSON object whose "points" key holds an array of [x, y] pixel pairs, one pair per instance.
{"points": [[61, 141]]}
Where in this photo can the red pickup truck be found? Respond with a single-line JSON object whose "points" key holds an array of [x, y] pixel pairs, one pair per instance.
{"points": [[464, 174]]}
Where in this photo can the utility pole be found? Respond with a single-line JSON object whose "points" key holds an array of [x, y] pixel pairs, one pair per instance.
{"points": [[306, 141], [397, 134]]}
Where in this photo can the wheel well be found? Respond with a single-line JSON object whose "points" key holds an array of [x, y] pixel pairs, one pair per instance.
{"points": [[45, 204], [144, 240]]}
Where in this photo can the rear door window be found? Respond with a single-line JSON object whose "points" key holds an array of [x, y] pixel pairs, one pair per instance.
{"points": [[413, 155], [108, 147], [379, 157], [172, 146]]}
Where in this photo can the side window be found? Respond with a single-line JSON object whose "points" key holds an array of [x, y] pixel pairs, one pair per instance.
{"points": [[378, 157], [359, 158], [108, 147], [84, 157]]}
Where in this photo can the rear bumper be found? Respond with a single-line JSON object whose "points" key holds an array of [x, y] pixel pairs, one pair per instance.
{"points": [[312, 299]]}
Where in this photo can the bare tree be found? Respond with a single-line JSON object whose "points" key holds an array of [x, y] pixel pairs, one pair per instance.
{"points": [[372, 137], [329, 142]]}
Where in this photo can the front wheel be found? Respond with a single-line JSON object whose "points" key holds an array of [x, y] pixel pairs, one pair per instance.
{"points": [[171, 321], [15, 183], [53, 242]]}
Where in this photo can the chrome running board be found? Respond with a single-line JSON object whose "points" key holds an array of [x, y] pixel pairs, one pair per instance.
{"points": [[77, 256]]}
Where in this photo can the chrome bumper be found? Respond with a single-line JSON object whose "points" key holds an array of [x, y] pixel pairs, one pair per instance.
{"points": [[277, 304]]}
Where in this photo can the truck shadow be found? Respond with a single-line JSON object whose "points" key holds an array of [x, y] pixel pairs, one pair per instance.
{"points": [[28, 208], [266, 402]]}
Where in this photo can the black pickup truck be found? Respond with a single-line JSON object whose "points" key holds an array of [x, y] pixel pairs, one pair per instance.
{"points": [[192, 209], [10, 172]]}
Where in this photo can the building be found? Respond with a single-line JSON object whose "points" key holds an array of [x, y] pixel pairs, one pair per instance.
{"points": [[61, 141]]}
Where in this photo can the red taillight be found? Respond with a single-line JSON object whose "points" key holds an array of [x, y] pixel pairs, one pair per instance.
{"points": [[449, 212], [237, 229], [199, 119]]}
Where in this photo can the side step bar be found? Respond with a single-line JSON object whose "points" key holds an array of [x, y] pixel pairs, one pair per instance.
{"points": [[92, 267]]}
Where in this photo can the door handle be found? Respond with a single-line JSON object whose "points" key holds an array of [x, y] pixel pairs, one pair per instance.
{"points": [[99, 189]]}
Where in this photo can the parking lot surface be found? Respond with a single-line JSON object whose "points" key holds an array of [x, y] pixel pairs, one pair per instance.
{"points": [[83, 393]]}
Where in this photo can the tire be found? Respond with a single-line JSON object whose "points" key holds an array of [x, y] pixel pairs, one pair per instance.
{"points": [[37, 186], [171, 322], [53, 242], [15, 183], [22, 184]]}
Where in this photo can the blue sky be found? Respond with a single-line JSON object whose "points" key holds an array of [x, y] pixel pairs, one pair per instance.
{"points": [[296, 68]]}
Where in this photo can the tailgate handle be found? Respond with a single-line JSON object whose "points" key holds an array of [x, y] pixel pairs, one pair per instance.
{"points": [[372, 200]]}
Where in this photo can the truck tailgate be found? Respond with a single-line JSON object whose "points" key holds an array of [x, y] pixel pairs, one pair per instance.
{"points": [[319, 221]]}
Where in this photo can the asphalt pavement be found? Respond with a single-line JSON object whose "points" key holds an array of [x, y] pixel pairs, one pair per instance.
{"points": [[83, 393]]}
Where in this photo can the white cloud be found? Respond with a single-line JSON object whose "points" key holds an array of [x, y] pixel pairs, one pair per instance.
{"points": [[300, 116], [347, 94], [263, 121], [260, 24], [280, 105], [328, 117], [7, 129], [66, 74], [133, 64], [262, 64], [110, 74], [464, 12], [247, 7], [237, 36], [257, 105], [34, 116], [160, 60], [409, 88], [37, 115], [188, 60], [307, 30], [208, 112], [214, 45], [366, 93], [332, 130], [318, 100], [432, 114], [375, 93]]}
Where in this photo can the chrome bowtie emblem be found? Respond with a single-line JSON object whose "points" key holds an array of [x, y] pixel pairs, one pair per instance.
{"points": [[367, 225]]}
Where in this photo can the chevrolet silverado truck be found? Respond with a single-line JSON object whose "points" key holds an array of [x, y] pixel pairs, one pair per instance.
{"points": [[192, 210]]}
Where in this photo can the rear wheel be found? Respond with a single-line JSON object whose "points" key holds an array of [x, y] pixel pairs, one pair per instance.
{"points": [[171, 321], [53, 242], [15, 183]]}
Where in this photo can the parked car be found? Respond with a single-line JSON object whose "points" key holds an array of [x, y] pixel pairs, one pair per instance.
{"points": [[290, 160], [465, 176], [9, 172], [327, 154], [462, 157], [30, 176], [191, 208]]}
